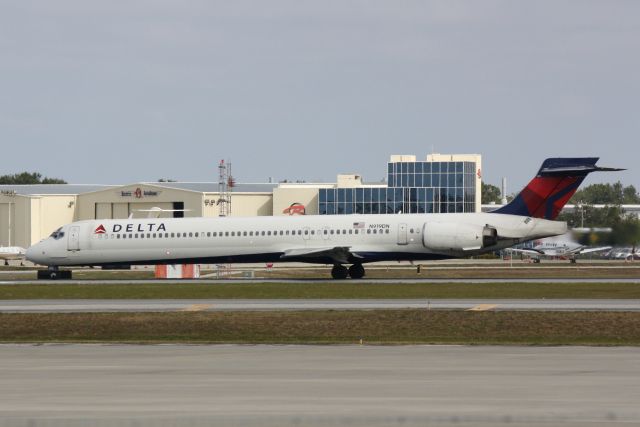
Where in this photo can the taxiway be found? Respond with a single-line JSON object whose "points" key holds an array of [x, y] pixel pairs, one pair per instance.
{"points": [[234, 385], [160, 305]]}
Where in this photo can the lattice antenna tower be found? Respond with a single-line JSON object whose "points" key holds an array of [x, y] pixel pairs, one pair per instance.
{"points": [[225, 185]]}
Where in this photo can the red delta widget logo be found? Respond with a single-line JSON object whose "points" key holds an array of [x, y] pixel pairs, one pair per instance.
{"points": [[295, 209], [100, 230]]}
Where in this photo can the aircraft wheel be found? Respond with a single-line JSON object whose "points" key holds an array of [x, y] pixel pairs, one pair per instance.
{"points": [[572, 261], [536, 260], [339, 272], [356, 271]]}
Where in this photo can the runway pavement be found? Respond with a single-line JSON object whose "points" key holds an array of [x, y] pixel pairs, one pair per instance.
{"points": [[235, 385], [294, 281], [160, 305]]}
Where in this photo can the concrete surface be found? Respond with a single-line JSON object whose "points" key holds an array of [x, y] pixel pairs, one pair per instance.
{"points": [[159, 305], [167, 385]]}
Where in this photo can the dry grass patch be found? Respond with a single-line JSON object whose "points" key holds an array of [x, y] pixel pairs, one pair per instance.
{"points": [[329, 327]]}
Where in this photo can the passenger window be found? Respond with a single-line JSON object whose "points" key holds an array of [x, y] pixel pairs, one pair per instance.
{"points": [[233, 233], [369, 231], [357, 231], [148, 235], [287, 232], [411, 230], [387, 231], [118, 236], [130, 236], [136, 235], [299, 232], [226, 233], [196, 234], [268, 233], [331, 231], [281, 232], [306, 232], [190, 234], [375, 231], [244, 233], [262, 233], [326, 231], [350, 231], [124, 236], [313, 232]]}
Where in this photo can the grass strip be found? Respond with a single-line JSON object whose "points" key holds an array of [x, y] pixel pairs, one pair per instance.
{"points": [[328, 327], [330, 290]]}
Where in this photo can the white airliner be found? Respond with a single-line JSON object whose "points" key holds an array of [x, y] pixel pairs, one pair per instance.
{"points": [[11, 253], [327, 239]]}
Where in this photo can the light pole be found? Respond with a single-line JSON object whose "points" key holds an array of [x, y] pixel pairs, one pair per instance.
{"points": [[581, 207]]}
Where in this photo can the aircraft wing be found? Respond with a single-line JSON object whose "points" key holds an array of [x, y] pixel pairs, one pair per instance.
{"points": [[587, 250], [338, 254]]}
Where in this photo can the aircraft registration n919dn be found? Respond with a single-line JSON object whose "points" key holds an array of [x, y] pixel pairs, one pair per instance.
{"points": [[340, 240]]}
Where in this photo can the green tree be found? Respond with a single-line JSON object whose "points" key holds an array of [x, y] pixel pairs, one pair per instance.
{"points": [[28, 178], [607, 194], [490, 193]]}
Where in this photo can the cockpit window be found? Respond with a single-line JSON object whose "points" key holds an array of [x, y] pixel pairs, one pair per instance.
{"points": [[58, 234]]}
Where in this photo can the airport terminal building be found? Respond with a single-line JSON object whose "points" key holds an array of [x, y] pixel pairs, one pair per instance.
{"points": [[439, 183]]}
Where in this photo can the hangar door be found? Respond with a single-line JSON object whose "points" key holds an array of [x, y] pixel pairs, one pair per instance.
{"points": [[7, 219], [137, 209], [103, 211]]}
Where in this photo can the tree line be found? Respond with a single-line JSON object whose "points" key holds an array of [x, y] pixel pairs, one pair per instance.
{"points": [[27, 178]]}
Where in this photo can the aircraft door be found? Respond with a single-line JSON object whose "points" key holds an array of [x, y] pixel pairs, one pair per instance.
{"points": [[73, 244], [402, 234]]}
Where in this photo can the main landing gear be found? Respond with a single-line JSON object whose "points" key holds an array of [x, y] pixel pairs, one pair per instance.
{"points": [[340, 272]]}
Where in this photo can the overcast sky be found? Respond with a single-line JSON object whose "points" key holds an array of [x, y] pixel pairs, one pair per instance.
{"points": [[126, 91]]}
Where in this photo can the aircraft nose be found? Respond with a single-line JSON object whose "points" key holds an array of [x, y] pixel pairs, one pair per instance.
{"points": [[34, 254]]}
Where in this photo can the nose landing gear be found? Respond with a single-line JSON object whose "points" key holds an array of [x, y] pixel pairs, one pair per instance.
{"points": [[340, 272], [54, 273]]}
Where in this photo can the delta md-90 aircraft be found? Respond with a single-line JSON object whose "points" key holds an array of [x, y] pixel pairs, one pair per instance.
{"points": [[341, 240]]}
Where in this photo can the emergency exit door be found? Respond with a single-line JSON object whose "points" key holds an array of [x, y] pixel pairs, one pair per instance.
{"points": [[402, 234], [73, 244]]}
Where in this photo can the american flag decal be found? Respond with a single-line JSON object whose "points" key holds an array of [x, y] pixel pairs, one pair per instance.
{"points": [[358, 225]]}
